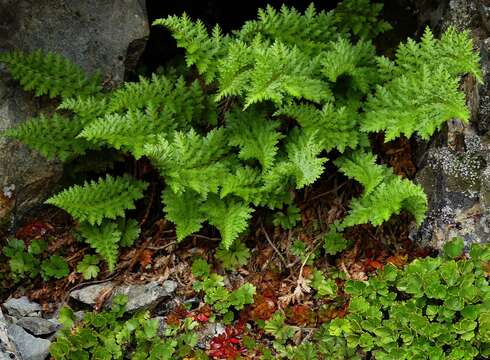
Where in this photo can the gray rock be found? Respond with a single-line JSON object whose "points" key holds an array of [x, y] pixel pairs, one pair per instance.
{"points": [[89, 294], [97, 35], [38, 326], [22, 307], [147, 295], [139, 296], [455, 165], [8, 350], [29, 347]]}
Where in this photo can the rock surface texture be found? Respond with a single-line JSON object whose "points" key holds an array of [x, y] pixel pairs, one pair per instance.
{"points": [[454, 168], [107, 36]]}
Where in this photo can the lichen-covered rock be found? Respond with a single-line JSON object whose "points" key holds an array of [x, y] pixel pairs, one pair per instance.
{"points": [[455, 169], [107, 36]]}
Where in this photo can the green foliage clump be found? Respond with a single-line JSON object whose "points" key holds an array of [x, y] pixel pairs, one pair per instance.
{"points": [[234, 257], [113, 335], [221, 299], [433, 308], [276, 97], [26, 263]]}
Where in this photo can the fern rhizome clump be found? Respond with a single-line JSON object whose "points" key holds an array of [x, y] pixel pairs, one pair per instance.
{"points": [[272, 104]]}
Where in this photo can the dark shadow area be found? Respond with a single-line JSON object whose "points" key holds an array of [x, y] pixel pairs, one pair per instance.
{"points": [[161, 47]]}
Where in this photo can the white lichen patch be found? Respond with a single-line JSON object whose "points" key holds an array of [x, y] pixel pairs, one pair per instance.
{"points": [[8, 191]]}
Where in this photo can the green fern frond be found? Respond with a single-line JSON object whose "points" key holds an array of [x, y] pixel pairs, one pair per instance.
{"points": [[361, 166], [388, 199], [311, 31], [104, 239], [256, 136], [130, 231], [279, 73], [385, 194], [354, 64], [415, 103], [456, 48], [49, 74], [131, 131], [244, 182], [191, 161], [184, 210], [335, 127], [303, 151], [52, 137], [361, 18], [202, 49], [88, 108], [96, 200], [230, 217]]}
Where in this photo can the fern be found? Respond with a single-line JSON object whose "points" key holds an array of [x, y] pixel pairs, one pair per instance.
{"points": [[256, 136], [335, 127], [52, 137], [361, 18], [185, 211], [271, 101], [49, 74], [385, 193], [311, 31], [191, 161], [230, 217], [201, 49], [96, 200], [104, 239]]}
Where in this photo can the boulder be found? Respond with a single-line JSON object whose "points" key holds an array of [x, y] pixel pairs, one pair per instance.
{"points": [[106, 36]]}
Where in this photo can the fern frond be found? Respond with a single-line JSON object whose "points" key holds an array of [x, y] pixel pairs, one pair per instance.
{"points": [[303, 151], [311, 31], [388, 199], [184, 210], [244, 182], [456, 48], [354, 64], [191, 161], [52, 137], [335, 127], [130, 231], [385, 194], [230, 217], [202, 49], [131, 131], [415, 103], [361, 166], [279, 73], [96, 200], [88, 108], [256, 136], [104, 239], [49, 74], [361, 18]]}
